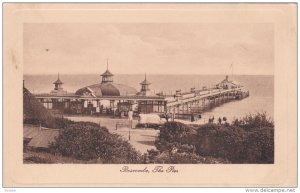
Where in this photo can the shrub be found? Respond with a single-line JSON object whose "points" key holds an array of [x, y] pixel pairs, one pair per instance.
{"points": [[178, 158], [35, 113], [251, 121], [237, 144], [248, 140], [58, 123], [169, 157], [213, 160], [148, 125], [219, 141], [37, 159], [175, 135], [260, 146], [86, 141]]}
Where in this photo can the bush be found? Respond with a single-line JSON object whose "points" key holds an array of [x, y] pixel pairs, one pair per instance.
{"points": [[213, 160], [86, 141], [249, 140], [260, 146], [218, 141], [237, 144], [35, 113], [178, 158], [38, 160], [251, 121], [58, 123], [175, 135], [148, 125], [169, 157]]}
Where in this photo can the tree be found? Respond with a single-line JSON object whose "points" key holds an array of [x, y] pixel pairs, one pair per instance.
{"points": [[87, 141]]}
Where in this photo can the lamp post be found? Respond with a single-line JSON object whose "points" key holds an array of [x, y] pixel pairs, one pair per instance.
{"points": [[130, 114]]}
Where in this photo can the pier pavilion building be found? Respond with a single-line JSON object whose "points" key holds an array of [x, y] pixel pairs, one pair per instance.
{"points": [[106, 97], [227, 84]]}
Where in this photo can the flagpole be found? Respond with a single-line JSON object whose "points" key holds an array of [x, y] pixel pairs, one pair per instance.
{"points": [[231, 69]]}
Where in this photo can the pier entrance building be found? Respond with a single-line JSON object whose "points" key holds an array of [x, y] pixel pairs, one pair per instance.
{"points": [[106, 97]]}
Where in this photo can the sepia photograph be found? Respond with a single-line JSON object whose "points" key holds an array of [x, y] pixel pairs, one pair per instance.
{"points": [[145, 93], [150, 95]]}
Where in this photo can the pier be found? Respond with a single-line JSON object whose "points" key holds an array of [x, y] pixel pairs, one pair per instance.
{"points": [[199, 101], [109, 98]]}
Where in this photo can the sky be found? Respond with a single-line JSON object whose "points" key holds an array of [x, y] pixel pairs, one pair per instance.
{"points": [[153, 48]]}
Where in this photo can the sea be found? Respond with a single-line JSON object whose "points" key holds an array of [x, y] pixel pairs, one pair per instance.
{"points": [[261, 88]]}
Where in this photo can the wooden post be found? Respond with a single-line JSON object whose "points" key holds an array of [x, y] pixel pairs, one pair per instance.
{"points": [[129, 129]]}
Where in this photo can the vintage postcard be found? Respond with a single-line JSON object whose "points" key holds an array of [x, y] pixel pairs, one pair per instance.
{"points": [[177, 95]]}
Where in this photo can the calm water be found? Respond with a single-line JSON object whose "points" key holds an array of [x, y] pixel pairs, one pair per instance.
{"points": [[261, 89]]}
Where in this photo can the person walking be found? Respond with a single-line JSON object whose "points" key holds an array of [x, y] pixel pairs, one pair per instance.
{"points": [[220, 120]]}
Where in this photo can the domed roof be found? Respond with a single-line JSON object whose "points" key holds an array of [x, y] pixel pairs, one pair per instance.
{"points": [[145, 82], [58, 81], [107, 89], [107, 73]]}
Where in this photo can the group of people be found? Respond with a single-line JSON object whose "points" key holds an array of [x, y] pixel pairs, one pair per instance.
{"points": [[220, 120]]}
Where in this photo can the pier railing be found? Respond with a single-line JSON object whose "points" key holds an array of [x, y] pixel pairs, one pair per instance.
{"points": [[200, 96]]}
